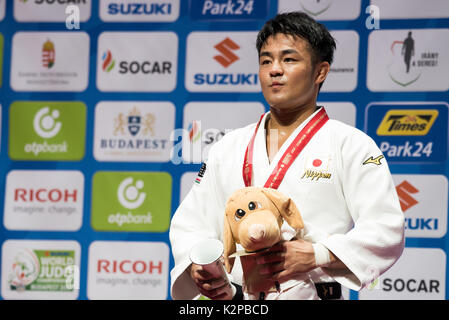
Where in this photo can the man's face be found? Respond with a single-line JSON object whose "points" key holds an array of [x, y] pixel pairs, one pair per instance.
{"points": [[286, 72]]}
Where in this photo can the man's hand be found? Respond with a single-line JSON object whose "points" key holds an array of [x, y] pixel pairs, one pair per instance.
{"points": [[287, 259], [213, 288]]}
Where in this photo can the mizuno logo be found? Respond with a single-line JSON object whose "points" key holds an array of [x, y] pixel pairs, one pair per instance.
{"points": [[228, 57], [375, 161]]}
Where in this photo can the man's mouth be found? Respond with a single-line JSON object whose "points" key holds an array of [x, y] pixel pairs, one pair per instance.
{"points": [[276, 84]]}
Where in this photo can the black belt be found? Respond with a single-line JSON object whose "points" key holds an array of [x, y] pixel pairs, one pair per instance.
{"points": [[328, 290]]}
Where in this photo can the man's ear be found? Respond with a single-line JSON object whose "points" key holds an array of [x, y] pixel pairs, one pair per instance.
{"points": [[229, 245], [286, 208], [321, 71]]}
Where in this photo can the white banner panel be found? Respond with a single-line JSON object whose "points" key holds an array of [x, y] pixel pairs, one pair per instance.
{"points": [[40, 269], [424, 203], [408, 60], [133, 131], [128, 270], [137, 61], [44, 200], [222, 62], [419, 274], [344, 69], [323, 9], [207, 122], [52, 10], [412, 9], [50, 61]]}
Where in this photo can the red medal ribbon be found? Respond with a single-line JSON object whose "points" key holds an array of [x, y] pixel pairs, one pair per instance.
{"points": [[292, 152]]}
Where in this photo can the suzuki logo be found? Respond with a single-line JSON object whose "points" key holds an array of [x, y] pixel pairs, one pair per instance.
{"points": [[407, 201], [228, 57]]}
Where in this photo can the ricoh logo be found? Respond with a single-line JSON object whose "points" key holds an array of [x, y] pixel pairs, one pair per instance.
{"points": [[44, 200], [129, 266], [128, 270], [228, 64], [228, 57], [44, 195]]}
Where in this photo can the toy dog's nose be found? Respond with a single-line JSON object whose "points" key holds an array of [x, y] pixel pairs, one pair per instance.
{"points": [[256, 232]]}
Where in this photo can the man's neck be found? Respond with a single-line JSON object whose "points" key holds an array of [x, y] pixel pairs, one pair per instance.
{"points": [[281, 124]]}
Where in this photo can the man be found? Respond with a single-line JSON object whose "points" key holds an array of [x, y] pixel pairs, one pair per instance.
{"points": [[339, 179]]}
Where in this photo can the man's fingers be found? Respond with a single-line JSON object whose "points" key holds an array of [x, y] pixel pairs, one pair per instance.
{"points": [[219, 293], [270, 258], [214, 284], [272, 268]]}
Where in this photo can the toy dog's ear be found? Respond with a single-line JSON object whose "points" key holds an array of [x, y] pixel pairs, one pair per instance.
{"points": [[286, 207], [229, 245]]}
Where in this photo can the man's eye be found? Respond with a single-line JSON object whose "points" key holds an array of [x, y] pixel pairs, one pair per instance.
{"points": [[239, 214]]}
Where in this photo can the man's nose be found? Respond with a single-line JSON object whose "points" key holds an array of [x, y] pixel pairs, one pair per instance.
{"points": [[276, 69]]}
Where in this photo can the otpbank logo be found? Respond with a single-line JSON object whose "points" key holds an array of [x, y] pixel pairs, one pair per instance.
{"points": [[415, 132], [127, 270], [50, 10], [150, 66], [47, 130], [229, 10], [40, 269], [222, 62], [423, 200], [139, 11], [131, 201]]}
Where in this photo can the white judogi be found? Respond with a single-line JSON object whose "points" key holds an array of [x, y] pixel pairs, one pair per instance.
{"points": [[350, 207]]}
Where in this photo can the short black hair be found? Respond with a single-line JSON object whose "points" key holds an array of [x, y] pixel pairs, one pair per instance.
{"points": [[299, 24]]}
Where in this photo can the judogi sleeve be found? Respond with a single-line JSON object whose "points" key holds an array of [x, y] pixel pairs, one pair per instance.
{"points": [[196, 219], [376, 240]]}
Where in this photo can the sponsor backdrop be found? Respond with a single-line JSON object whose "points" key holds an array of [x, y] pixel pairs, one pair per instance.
{"points": [[109, 107]]}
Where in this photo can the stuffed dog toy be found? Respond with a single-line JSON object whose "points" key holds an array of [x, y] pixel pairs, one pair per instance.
{"points": [[253, 219]]}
